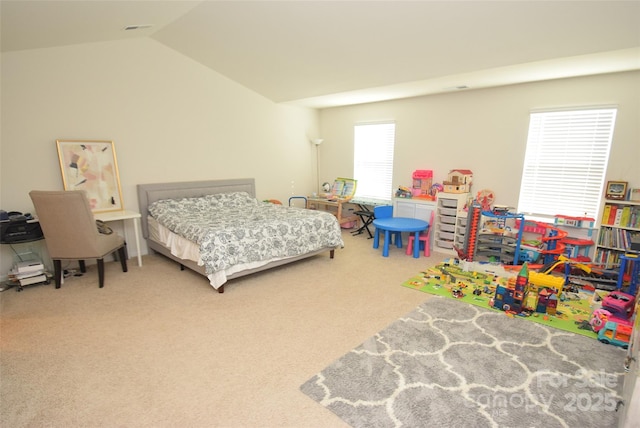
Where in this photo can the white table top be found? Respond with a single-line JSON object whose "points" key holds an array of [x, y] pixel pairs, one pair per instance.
{"points": [[117, 215]]}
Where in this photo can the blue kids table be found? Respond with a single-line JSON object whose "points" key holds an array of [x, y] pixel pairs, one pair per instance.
{"points": [[398, 224]]}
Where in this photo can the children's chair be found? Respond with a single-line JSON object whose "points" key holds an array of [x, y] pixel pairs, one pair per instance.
{"points": [[386, 211], [424, 237]]}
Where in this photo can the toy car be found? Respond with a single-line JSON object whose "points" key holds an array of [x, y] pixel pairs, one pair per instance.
{"points": [[619, 304], [615, 334]]}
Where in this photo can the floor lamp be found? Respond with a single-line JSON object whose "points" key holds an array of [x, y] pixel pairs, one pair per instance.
{"points": [[316, 142]]}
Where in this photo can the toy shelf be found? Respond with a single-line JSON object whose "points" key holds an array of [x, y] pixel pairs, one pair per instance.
{"points": [[498, 237]]}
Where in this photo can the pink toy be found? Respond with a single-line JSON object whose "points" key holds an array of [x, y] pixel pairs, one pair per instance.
{"points": [[599, 319], [619, 304]]}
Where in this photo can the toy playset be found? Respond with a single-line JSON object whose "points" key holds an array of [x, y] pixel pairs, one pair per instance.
{"points": [[422, 182], [536, 271], [539, 297], [458, 181], [423, 187], [531, 269]]}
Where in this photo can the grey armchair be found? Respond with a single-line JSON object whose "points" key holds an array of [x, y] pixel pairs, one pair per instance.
{"points": [[70, 231]]}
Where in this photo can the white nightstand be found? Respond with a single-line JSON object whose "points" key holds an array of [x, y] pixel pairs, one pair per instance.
{"points": [[124, 215]]}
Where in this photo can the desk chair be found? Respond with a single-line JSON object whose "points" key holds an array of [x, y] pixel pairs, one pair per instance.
{"points": [[366, 217], [70, 231], [424, 237], [386, 211]]}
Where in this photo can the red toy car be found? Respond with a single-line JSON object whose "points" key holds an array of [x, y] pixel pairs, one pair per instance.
{"points": [[621, 305]]}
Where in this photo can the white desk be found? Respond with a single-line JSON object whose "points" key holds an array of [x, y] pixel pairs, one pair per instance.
{"points": [[124, 215]]}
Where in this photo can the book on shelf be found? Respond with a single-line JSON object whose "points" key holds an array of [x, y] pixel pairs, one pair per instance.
{"points": [[612, 215], [607, 258], [618, 217], [625, 216], [605, 214]]}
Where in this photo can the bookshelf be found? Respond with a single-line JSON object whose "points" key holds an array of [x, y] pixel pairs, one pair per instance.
{"points": [[620, 220]]}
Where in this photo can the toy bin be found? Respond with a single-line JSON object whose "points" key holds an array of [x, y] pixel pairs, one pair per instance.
{"points": [[447, 227], [448, 203], [447, 219]]}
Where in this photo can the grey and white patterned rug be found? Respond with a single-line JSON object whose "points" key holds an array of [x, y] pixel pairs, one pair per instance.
{"points": [[450, 364]]}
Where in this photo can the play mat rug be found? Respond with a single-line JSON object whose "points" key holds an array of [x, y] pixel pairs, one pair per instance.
{"points": [[476, 283]]}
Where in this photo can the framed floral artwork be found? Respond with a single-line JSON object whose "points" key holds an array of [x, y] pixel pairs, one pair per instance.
{"points": [[91, 165]]}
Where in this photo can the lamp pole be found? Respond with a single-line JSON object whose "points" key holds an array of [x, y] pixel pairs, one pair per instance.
{"points": [[317, 143]]}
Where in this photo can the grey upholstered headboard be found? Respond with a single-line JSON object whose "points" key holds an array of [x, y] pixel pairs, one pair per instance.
{"points": [[149, 193]]}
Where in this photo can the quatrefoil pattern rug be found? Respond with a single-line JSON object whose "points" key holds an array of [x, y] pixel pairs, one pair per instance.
{"points": [[450, 364]]}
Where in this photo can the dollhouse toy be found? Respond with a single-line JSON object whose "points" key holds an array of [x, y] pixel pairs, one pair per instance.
{"points": [[514, 295], [458, 181], [422, 180], [529, 291], [547, 302]]}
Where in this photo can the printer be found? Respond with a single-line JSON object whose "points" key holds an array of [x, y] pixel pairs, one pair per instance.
{"points": [[19, 228]]}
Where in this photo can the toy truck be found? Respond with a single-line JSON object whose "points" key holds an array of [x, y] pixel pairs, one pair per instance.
{"points": [[615, 334]]}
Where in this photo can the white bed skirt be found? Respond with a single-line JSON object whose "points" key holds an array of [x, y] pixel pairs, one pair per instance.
{"points": [[188, 250]]}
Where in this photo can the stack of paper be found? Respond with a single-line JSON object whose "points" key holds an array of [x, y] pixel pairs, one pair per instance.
{"points": [[28, 272]]}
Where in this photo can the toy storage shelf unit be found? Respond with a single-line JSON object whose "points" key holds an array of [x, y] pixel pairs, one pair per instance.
{"points": [[461, 229], [449, 209], [619, 226], [499, 238], [415, 208]]}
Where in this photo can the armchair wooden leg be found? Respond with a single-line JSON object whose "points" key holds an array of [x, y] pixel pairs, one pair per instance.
{"points": [[83, 266], [101, 272], [122, 253], [57, 272]]}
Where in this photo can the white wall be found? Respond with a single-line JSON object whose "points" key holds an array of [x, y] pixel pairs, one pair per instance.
{"points": [[174, 120], [171, 119], [484, 131]]}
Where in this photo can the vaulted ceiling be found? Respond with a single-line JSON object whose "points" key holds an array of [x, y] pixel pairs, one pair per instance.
{"points": [[328, 53]]}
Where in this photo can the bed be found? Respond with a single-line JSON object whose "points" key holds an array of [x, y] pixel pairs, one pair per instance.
{"points": [[218, 229]]}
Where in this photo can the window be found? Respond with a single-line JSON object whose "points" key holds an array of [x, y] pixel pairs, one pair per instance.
{"points": [[373, 160], [566, 161]]}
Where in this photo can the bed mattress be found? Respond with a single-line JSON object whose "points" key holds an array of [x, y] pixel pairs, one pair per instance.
{"points": [[188, 250], [230, 232]]}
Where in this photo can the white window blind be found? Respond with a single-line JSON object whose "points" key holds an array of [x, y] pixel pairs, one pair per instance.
{"points": [[373, 160], [566, 161]]}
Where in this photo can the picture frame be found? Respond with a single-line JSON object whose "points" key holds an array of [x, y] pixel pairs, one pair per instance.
{"points": [[91, 165], [634, 195], [616, 190]]}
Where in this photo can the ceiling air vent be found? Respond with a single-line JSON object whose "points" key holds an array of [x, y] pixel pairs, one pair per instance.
{"points": [[137, 27], [456, 88]]}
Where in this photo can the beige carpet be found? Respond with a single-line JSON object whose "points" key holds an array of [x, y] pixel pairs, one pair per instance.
{"points": [[159, 347]]}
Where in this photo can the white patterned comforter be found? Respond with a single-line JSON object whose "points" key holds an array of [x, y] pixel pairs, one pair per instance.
{"points": [[234, 228]]}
